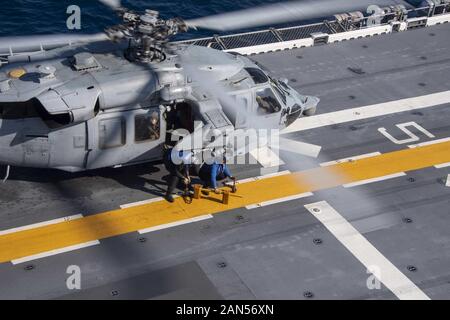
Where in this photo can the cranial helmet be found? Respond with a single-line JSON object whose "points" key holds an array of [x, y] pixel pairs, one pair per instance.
{"points": [[186, 156]]}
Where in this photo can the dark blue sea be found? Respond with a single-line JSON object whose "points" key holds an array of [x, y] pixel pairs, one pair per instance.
{"points": [[24, 17]]}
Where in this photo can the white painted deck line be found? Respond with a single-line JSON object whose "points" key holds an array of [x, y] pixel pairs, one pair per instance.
{"points": [[447, 184], [41, 224], [371, 111], [266, 157], [175, 224], [443, 165], [350, 159], [280, 200], [363, 182], [429, 143], [55, 252], [298, 147], [140, 203], [366, 253]]}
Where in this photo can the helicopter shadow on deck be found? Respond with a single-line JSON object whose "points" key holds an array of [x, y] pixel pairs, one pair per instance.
{"points": [[132, 177], [147, 177]]}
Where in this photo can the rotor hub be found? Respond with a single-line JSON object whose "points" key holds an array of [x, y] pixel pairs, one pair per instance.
{"points": [[147, 32]]}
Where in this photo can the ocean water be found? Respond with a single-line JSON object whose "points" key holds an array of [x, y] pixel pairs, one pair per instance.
{"points": [[25, 17]]}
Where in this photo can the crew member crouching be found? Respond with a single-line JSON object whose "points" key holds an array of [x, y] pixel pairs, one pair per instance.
{"points": [[212, 173]]}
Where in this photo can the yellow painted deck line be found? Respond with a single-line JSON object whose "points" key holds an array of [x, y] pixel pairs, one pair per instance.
{"points": [[108, 224]]}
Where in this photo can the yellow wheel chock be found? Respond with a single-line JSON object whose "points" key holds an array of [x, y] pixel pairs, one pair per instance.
{"points": [[198, 189]]}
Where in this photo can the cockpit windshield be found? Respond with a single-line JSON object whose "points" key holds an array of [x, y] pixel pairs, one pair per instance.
{"points": [[267, 102], [257, 75], [280, 93], [280, 88]]}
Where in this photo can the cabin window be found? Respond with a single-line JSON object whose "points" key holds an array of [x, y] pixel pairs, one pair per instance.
{"points": [[112, 133], [267, 102], [147, 127], [257, 75]]}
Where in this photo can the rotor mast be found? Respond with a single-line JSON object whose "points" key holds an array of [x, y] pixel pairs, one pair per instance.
{"points": [[148, 34]]}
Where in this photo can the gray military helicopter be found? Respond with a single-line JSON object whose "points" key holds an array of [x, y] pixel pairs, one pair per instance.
{"points": [[84, 102]]}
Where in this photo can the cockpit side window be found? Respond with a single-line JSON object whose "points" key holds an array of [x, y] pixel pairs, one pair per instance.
{"points": [[280, 88], [267, 102], [257, 75]]}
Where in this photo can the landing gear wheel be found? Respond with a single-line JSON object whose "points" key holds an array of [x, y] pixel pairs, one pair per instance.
{"points": [[310, 112]]}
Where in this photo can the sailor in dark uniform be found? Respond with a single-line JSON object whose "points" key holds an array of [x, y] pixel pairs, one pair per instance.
{"points": [[178, 164]]}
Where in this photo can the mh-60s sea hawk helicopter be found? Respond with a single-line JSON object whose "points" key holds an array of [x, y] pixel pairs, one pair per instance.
{"points": [[99, 103]]}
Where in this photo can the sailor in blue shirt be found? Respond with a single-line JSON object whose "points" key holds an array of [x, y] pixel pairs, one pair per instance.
{"points": [[211, 173]]}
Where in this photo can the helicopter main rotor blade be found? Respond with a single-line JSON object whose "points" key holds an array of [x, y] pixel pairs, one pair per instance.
{"points": [[113, 4], [22, 44], [285, 12]]}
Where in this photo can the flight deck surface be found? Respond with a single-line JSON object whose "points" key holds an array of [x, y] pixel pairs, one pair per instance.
{"points": [[384, 98]]}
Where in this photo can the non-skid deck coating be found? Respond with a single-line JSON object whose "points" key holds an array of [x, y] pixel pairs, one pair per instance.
{"points": [[104, 225], [270, 251]]}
